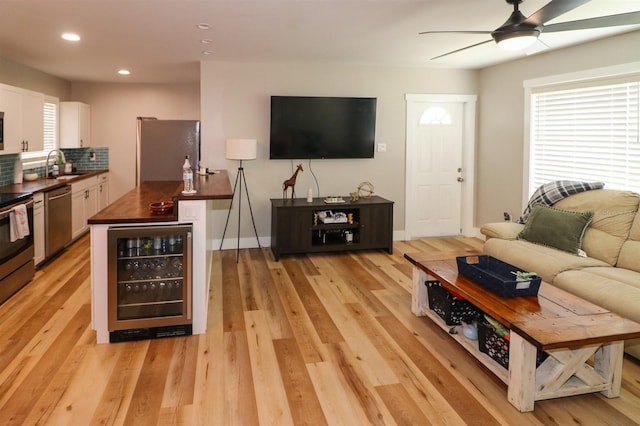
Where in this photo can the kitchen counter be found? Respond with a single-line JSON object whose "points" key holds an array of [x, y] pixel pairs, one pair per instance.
{"points": [[133, 207], [44, 184]]}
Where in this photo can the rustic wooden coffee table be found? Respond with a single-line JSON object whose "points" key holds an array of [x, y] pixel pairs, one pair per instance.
{"points": [[585, 342]]}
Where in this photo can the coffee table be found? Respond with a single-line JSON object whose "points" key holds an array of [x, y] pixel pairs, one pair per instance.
{"points": [[585, 342]]}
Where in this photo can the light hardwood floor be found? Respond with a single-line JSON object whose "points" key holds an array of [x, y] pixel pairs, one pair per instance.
{"points": [[322, 339]]}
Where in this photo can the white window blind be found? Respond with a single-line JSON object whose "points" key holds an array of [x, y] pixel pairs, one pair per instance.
{"points": [[586, 134], [50, 126]]}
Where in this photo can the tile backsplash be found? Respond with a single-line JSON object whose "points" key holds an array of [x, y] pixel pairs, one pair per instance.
{"points": [[80, 157]]}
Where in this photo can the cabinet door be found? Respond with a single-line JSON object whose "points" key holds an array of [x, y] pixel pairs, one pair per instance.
{"points": [[84, 125], [103, 195], [23, 119], [11, 105], [294, 230], [376, 225], [75, 125], [91, 203], [78, 219], [33, 120]]}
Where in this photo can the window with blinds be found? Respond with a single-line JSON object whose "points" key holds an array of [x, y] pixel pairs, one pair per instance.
{"points": [[586, 134]]}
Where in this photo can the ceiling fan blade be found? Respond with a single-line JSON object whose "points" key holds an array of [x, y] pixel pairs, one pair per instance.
{"points": [[455, 32], [552, 10], [460, 50], [631, 18]]}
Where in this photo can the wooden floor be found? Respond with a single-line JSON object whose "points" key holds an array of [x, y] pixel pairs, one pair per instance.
{"points": [[323, 339]]}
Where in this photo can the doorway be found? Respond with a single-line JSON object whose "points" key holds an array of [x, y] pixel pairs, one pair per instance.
{"points": [[440, 156]]}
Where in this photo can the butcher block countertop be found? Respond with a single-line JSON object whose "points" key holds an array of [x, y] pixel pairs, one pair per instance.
{"points": [[43, 184], [133, 207]]}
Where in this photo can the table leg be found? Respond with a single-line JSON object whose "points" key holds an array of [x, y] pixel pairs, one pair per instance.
{"points": [[419, 297], [522, 373], [608, 363]]}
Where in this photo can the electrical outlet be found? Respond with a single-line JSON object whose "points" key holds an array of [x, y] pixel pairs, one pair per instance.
{"points": [[382, 147]]}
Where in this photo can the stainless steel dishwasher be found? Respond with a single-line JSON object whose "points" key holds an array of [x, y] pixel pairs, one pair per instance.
{"points": [[57, 219]]}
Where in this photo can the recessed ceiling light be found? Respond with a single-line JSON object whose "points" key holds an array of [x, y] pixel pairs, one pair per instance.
{"points": [[71, 37], [206, 52], [205, 41], [124, 72], [203, 26]]}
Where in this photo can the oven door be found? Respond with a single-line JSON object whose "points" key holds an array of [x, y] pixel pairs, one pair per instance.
{"points": [[16, 258], [9, 250]]}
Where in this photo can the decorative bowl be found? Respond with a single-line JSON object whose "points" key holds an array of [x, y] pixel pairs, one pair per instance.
{"points": [[161, 207], [30, 176]]}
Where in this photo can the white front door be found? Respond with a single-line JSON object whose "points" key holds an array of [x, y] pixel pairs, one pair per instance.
{"points": [[437, 133]]}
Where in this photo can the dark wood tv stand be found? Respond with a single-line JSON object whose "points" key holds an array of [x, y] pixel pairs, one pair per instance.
{"points": [[295, 229]]}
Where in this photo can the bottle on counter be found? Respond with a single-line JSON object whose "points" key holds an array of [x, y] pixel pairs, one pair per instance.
{"points": [[187, 175]]}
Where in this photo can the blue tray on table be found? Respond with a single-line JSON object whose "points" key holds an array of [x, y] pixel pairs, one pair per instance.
{"points": [[497, 276]]}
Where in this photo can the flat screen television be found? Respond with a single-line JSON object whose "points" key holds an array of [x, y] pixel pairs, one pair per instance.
{"points": [[306, 127]]}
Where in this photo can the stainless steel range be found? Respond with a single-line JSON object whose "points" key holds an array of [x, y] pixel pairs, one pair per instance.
{"points": [[16, 258]]}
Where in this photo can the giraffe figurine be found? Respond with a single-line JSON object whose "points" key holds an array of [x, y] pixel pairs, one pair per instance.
{"points": [[291, 182]]}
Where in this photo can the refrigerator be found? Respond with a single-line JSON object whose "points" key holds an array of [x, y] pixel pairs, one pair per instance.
{"points": [[162, 146]]}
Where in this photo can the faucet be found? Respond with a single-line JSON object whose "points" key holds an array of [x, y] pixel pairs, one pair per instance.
{"points": [[53, 173]]}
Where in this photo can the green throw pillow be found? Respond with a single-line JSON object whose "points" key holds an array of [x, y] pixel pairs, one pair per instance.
{"points": [[556, 228]]}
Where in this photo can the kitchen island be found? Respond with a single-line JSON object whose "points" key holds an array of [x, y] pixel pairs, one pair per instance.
{"points": [[132, 210]]}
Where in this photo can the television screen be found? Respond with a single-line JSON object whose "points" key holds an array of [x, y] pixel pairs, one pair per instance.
{"points": [[304, 127]]}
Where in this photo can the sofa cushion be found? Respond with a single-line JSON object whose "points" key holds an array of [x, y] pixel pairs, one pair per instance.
{"points": [[614, 212], [561, 229], [615, 289], [629, 257], [547, 262], [504, 230]]}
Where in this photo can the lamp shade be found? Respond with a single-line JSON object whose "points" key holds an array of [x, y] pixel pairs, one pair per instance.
{"points": [[241, 149]]}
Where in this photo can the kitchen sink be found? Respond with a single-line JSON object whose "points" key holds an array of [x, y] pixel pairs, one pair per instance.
{"points": [[67, 177]]}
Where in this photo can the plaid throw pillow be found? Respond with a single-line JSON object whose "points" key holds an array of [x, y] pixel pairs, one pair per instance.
{"points": [[552, 192]]}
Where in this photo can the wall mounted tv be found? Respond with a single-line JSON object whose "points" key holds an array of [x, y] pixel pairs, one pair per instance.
{"points": [[305, 127]]}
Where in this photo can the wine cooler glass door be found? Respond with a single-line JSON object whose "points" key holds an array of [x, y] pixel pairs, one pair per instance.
{"points": [[149, 276]]}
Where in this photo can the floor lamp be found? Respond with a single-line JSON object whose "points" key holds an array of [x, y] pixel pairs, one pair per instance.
{"points": [[240, 149]]}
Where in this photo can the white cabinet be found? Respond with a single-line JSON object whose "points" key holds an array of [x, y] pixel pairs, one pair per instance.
{"points": [[23, 119], [38, 227], [75, 125], [103, 191], [84, 204]]}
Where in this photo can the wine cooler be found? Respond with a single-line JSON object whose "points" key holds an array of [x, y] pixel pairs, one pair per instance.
{"points": [[149, 276]]}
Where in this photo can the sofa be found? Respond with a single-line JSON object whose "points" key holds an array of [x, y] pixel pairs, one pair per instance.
{"points": [[603, 269]]}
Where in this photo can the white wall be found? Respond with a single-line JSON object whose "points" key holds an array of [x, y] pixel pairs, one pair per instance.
{"points": [[235, 103], [501, 116], [114, 109]]}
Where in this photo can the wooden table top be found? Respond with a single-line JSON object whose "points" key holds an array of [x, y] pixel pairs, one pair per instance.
{"points": [[133, 207], [552, 319]]}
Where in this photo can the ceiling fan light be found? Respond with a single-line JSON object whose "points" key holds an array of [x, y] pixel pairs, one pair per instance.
{"points": [[518, 41]]}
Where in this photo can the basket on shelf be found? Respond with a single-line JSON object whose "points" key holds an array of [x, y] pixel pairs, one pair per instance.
{"points": [[452, 308], [495, 343]]}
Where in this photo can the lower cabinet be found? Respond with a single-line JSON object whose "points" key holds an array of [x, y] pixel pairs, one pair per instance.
{"points": [[298, 226], [103, 191], [38, 228], [84, 204]]}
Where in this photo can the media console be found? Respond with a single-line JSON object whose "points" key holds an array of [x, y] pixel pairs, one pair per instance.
{"points": [[297, 226]]}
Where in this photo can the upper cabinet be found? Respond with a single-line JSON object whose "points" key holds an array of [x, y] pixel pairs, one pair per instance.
{"points": [[75, 126], [23, 119]]}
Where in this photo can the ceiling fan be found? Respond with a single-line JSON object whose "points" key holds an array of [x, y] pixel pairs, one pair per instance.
{"points": [[519, 32]]}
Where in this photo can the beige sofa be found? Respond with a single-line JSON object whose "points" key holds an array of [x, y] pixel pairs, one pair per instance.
{"points": [[609, 274]]}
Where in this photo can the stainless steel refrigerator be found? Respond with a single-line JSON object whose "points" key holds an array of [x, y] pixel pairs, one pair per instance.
{"points": [[162, 146]]}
